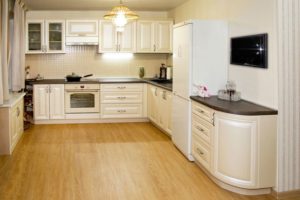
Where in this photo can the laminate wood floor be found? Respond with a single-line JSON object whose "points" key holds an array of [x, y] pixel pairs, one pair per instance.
{"points": [[132, 161]]}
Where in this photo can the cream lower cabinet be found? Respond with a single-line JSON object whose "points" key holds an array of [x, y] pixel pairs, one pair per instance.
{"points": [[11, 128], [237, 150], [122, 100], [48, 102], [160, 107], [245, 150]]}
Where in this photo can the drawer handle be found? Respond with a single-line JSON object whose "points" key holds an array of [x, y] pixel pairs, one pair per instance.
{"points": [[200, 129], [201, 111], [122, 87], [200, 152], [121, 111], [18, 111], [121, 97]]}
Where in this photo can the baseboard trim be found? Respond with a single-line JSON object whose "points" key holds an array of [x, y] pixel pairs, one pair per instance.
{"points": [[90, 121], [286, 195], [242, 191]]}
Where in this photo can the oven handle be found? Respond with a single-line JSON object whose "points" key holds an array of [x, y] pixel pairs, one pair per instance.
{"points": [[81, 91]]}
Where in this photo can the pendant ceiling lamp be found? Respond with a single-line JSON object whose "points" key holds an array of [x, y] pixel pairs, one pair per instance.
{"points": [[120, 15]]}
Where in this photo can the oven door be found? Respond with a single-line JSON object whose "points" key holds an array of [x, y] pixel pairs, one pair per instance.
{"points": [[84, 101]]}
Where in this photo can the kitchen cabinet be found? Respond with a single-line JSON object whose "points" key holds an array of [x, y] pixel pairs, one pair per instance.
{"points": [[82, 32], [48, 102], [11, 129], [160, 108], [122, 100], [154, 36], [239, 150], [113, 41], [45, 36]]}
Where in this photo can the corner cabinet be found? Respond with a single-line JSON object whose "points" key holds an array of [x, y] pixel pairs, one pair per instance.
{"points": [[48, 102], [160, 108], [113, 41], [45, 36], [238, 150], [154, 36]]}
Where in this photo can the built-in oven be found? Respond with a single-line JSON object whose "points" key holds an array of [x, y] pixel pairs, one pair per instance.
{"points": [[82, 98]]}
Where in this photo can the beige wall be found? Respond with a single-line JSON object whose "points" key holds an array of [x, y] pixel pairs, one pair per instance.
{"points": [[85, 59], [245, 17]]}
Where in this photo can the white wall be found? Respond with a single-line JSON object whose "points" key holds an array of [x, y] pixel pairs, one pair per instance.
{"points": [[85, 59], [245, 17]]}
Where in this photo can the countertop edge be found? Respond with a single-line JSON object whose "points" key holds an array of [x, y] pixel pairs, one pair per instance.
{"points": [[62, 81], [13, 100], [245, 113]]}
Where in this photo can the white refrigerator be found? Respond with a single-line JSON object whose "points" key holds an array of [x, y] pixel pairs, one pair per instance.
{"points": [[200, 57]]}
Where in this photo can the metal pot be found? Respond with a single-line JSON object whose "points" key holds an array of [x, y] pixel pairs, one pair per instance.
{"points": [[75, 78]]}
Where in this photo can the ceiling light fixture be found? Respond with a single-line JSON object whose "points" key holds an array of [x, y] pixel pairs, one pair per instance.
{"points": [[120, 15]]}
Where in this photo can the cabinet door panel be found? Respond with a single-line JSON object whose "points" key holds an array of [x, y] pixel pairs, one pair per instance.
{"points": [[41, 102], [35, 36], [153, 103], [235, 150], [108, 37], [55, 36], [82, 28], [163, 37], [145, 36], [127, 38], [57, 102]]}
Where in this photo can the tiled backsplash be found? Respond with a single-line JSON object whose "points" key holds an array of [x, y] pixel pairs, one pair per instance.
{"points": [[85, 60]]}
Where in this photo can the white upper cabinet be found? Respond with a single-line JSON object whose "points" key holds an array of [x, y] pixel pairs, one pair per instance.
{"points": [[45, 36], [77, 28], [113, 41], [55, 36], [35, 36], [82, 32], [154, 36]]}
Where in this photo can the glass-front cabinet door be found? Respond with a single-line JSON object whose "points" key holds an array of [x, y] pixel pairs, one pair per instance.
{"points": [[35, 36], [45, 36], [55, 36]]}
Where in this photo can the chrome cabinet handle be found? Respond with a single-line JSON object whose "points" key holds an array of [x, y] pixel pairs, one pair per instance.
{"points": [[164, 96], [121, 111], [123, 87], [155, 92], [201, 111], [121, 97], [154, 47]]}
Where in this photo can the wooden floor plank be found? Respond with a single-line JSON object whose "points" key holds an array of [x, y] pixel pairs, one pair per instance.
{"points": [[130, 161]]}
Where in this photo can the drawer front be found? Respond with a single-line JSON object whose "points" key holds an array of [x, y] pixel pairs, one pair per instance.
{"points": [[121, 97], [201, 153], [129, 87], [203, 112], [202, 129], [17, 123], [82, 86], [121, 110]]}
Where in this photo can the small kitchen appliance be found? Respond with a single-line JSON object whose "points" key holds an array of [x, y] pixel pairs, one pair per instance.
{"points": [[163, 72]]}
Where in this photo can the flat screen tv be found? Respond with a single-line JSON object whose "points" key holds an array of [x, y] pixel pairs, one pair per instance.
{"points": [[250, 51]]}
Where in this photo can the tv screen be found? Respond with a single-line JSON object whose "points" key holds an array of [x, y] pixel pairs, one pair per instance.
{"points": [[250, 51]]}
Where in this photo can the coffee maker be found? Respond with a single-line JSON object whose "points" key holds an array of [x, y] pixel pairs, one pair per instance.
{"points": [[163, 71]]}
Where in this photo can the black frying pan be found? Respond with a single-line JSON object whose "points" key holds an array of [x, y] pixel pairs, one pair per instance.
{"points": [[76, 78]]}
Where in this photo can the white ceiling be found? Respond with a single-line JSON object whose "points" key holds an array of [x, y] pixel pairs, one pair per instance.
{"points": [[142, 5]]}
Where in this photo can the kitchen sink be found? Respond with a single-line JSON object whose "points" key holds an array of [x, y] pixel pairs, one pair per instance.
{"points": [[161, 80]]}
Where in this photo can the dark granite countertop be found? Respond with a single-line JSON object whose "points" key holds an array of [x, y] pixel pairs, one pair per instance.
{"points": [[167, 86], [241, 107]]}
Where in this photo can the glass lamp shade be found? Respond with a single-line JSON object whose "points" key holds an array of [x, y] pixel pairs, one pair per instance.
{"points": [[120, 15]]}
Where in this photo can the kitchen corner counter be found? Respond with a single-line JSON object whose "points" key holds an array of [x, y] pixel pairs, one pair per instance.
{"points": [[14, 98], [167, 86], [241, 107]]}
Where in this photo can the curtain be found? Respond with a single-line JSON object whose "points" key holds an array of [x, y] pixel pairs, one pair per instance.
{"points": [[4, 91], [18, 49]]}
